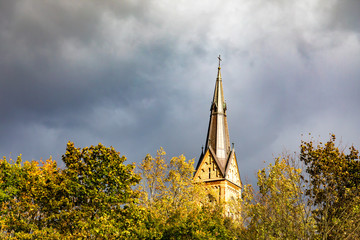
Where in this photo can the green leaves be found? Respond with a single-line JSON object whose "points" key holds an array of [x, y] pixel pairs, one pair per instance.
{"points": [[97, 196], [175, 206], [277, 210], [91, 198], [333, 188]]}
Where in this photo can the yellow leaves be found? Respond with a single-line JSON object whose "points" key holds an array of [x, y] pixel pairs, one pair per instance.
{"points": [[333, 186], [169, 188], [40, 197], [153, 171], [276, 210]]}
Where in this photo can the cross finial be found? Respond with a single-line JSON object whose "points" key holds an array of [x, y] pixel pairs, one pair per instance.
{"points": [[219, 57]]}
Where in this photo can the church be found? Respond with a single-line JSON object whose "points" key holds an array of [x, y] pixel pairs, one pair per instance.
{"points": [[217, 166]]}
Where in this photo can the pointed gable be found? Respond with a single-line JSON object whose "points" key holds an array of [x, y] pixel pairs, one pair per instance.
{"points": [[209, 168], [232, 170]]}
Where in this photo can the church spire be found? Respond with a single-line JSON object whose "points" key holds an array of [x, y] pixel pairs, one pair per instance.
{"points": [[218, 133], [217, 166]]}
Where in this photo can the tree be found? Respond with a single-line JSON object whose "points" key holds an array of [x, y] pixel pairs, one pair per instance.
{"points": [[100, 193], [28, 196], [276, 211], [334, 188], [176, 206], [153, 172], [91, 198]]}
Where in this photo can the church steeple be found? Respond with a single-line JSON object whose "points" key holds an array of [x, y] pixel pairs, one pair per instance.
{"points": [[217, 166], [218, 133]]}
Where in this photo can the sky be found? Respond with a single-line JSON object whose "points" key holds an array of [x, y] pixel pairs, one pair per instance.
{"points": [[140, 74]]}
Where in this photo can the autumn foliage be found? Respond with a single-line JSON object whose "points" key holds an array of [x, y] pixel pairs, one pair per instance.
{"points": [[313, 195], [91, 198]]}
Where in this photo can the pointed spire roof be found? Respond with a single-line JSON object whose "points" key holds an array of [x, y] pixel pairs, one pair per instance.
{"points": [[217, 161], [218, 133], [218, 99]]}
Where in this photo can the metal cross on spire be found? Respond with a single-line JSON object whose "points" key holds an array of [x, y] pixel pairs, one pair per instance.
{"points": [[219, 57]]}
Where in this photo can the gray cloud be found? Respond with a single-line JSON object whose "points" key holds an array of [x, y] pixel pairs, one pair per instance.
{"points": [[345, 15], [140, 74]]}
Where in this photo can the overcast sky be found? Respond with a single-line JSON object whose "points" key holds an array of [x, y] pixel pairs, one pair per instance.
{"points": [[140, 74]]}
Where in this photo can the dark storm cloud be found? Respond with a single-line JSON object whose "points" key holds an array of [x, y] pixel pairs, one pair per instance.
{"points": [[140, 74], [345, 15], [46, 82]]}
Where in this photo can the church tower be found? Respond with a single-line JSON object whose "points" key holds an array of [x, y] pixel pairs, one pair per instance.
{"points": [[217, 166]]}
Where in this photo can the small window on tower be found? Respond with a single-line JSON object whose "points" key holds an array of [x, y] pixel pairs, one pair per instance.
{"points": [[209, 172]]}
